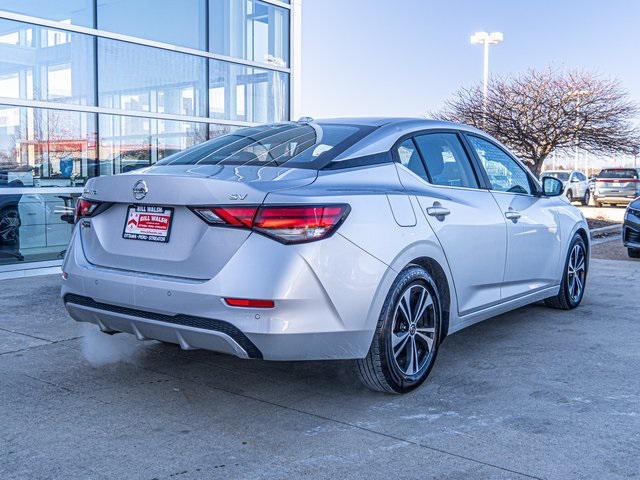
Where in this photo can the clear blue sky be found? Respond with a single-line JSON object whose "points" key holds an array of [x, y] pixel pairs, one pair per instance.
{"points": [[404, 57]]}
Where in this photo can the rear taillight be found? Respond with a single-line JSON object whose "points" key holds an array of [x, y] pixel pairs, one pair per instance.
{"points": [[284, 223], [85, 208]]}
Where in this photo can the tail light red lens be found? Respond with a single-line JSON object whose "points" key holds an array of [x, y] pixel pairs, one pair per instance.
{"points": [[85, 208], [249, 303], [285, 223]]}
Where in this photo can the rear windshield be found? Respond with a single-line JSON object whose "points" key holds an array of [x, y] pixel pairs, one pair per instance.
{"points": [[296, 145], [618, 173], [563, 176]]}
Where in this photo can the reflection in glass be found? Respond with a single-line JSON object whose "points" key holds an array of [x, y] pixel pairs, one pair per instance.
{"points": [[238, 92], [249, 29], [135, 77], [179, 23], [76, 12], [45, 148], [35, 227], [40, 63], [129, 143]]}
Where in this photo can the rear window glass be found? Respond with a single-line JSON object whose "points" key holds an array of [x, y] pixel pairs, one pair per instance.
{"points": [[619, 173], [296, 145], [563, 176]]}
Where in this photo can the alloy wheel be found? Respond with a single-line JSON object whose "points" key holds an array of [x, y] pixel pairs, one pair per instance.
{"points": [[576, 271], [413, 330]]}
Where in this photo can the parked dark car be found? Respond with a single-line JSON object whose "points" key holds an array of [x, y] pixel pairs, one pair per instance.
{"points": [[616, 186], [631, 229]]}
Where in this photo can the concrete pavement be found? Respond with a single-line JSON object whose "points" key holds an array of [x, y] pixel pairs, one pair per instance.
{"points": [[536, 393]]}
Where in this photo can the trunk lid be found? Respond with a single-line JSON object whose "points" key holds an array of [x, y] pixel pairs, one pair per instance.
{"points": [[194, 250]]}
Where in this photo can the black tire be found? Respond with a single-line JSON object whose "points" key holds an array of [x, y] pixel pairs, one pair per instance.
{"points": [[566, 299], [585, 199], [9, 226], [633, 252], [570, 196], [383, 370]]}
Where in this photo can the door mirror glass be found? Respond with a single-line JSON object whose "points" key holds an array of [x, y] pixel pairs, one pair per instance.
{"points": [[551, 187]]}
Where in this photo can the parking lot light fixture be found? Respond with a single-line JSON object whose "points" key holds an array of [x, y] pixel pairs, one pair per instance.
{"points": [[485, 39]]}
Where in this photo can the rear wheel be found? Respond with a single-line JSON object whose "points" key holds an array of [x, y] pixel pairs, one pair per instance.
{"points": [[405, 343], [9, 226], [574, 278], [633, 252]]}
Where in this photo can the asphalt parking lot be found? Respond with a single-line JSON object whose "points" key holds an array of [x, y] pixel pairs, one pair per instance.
{"points": [[536, 393]]}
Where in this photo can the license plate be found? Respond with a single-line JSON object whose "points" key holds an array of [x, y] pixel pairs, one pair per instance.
{"points": [[149, 223]]}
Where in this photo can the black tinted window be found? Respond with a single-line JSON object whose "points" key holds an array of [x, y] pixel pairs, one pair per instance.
{"points": [[291, 144], [447, 162], [618, 173]]}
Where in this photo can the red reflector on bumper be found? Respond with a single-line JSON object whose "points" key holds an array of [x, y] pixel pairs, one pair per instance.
{"points": [[249, 303]]}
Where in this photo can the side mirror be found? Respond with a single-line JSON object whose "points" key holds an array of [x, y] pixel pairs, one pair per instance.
{"points": [[552, 187]]}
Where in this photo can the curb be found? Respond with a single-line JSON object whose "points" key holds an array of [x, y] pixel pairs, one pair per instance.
{"points": [[599, 232]]}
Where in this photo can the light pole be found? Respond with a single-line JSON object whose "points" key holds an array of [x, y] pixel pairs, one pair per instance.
{"points": [[486, 39], [576, 158]]}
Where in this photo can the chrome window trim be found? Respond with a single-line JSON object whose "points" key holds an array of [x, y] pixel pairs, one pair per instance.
{"points": [[18, 17]]}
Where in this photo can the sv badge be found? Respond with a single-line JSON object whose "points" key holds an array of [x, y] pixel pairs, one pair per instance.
{"points": [[237, 196]]}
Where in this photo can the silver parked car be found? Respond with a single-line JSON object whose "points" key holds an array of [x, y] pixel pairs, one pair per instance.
{"points": [[366, 239], [615, 186], [576, 184]]}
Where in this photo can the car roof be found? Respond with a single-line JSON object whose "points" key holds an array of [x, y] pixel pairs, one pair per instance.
{"points": [[388, 131]]}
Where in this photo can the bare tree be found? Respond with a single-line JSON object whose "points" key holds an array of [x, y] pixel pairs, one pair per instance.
{"points": [[539, 112]]}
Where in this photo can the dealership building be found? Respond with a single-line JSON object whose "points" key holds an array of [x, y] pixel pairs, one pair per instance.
{"points": [[101, 87]]}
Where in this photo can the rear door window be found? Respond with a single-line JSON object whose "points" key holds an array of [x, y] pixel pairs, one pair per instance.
{"points": [[410, 158], [446, 161]]}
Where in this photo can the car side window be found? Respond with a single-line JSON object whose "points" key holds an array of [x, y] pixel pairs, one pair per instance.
{"points": [[447, 162], [410, 158], [505, 175]]}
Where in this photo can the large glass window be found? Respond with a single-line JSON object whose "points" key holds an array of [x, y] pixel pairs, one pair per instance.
{"points": [[249, 29], [447, 162], [45, 148], [76, 12], [134, 77], [238, 92], [504, 173], [128, 143], [178, 23], [34, 226], [40, 63]]}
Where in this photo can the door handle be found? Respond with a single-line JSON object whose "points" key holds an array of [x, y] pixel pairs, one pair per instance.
{"points": [[512, 215], [438, 211]]}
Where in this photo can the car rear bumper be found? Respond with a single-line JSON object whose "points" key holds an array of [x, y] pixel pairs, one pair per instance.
{"points": [[316, 316], [615, 197]]}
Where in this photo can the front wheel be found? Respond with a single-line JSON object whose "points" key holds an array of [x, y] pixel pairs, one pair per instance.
{"points": [[585, 199], [406, 340], [633, 252], [574, 278], [570, 196]]}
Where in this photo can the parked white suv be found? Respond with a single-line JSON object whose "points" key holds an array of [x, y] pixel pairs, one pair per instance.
{"points": [[576, 184]]}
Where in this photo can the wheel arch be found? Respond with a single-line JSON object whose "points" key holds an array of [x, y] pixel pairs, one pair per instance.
{"points": [[442, 284]]}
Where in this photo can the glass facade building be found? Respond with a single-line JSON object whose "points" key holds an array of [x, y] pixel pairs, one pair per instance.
{"points": [[101, 87]]}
